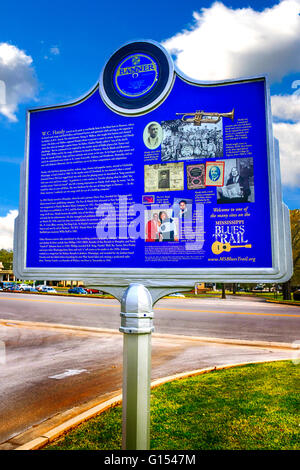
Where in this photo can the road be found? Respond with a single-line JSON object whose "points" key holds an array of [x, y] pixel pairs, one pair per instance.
{"points": [[46, 372], [241, 318]]}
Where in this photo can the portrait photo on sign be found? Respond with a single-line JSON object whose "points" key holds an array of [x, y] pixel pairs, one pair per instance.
{"points": [[183, 208], [185, 141], [238, 181], [214, 173], [163, 177], [161, 226], [152, 135]]}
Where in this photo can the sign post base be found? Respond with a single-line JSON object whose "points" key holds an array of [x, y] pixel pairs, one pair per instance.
{"points": [[136, 324]]}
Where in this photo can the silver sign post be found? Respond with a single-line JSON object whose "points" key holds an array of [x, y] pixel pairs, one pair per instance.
{"points": [[137, 326]]}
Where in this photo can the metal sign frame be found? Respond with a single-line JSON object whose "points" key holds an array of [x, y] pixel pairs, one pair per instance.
{"points": [[174, 278]]}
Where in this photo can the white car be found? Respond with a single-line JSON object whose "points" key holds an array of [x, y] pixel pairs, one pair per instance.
{"points": [[24, 286], [28, 289], [48, 289]]}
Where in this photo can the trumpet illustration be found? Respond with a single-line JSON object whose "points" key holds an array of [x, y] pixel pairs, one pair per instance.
{"points": [[201, 117], [218, 247]]}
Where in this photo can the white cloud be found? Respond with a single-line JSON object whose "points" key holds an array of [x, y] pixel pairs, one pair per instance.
{"points": [[54, 50], [286, 107], [17, 74], [289, 144], [227, 43], [7, 230]]}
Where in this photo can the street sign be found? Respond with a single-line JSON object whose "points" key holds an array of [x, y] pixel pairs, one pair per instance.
{"points": [[156, 178]]}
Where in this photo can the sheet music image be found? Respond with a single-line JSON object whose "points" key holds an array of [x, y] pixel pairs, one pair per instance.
{"points": [[195, 176]]}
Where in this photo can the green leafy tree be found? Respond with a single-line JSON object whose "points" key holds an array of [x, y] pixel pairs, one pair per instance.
{"points": [[295, 232], [295, 239], [6, 257]]}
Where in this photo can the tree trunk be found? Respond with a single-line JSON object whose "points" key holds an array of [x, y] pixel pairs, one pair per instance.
{"points": [[286, 290], [223, 291]]}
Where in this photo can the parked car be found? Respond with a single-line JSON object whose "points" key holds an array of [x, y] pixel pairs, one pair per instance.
{"points": [[39, 287], [7, 285], [77, 290], [12, 288], [23, 286], [259, 288], [26, 288], [176, 295], [48, 289], [93, 291]]}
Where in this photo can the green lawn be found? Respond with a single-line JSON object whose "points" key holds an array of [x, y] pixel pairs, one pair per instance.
{"points": [[250, 407]]}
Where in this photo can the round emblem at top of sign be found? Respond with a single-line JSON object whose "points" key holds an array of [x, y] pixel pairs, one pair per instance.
{"points": [[136, 78], [136, 75]]}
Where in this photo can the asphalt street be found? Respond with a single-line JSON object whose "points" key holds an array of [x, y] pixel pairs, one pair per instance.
{"points": [[241, 318], [47, 374]]}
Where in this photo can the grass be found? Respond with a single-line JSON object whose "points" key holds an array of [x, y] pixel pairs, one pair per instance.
{"points": [[245, 408]]}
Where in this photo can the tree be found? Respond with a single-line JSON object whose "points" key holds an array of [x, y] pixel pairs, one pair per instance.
{"points": [[6, 257], [295, 234], [295, 239]]}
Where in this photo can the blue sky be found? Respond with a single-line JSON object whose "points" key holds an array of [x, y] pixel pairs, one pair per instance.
{"points": [[53, 51]]}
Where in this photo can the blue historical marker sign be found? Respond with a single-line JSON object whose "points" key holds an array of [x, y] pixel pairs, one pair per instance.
{"points": [[153, 176]]}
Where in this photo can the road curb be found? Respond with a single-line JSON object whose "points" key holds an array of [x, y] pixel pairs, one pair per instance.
{"points": [[68, 425], [58, 431], [287, 302], [57, 326]]}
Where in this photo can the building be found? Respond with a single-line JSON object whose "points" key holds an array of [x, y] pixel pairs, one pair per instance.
{"points": [[6, 274]]}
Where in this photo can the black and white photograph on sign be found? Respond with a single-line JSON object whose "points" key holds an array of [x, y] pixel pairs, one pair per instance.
{"points": [[238, 181], [152, 135], [161, 226], [164, 177], [185, 141], [183, 208]]}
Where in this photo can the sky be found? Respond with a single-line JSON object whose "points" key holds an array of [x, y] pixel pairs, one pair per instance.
{"points": [[53, 51]]}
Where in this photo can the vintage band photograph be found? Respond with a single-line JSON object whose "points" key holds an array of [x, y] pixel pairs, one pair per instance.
{"points": [[185, 141], [164, 177], [161, 226], [238, 181]]}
